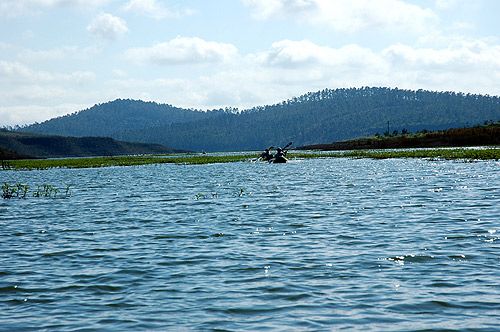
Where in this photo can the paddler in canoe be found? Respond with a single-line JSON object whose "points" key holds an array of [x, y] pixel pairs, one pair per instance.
{"points": [[279, 157], [266, 155]]}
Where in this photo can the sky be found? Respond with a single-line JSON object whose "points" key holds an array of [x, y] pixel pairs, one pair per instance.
{"points": [[62, 56]]}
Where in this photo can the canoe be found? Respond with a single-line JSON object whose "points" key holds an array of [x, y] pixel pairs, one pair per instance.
{"points": [[279, 160]]}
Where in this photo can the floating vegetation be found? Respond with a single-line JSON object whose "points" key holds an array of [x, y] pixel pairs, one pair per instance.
{"points": [[20, 190], [188, 159], [17, 190], [199, 196], [46, 190]]}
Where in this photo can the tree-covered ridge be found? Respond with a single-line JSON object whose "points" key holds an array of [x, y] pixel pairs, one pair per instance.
{"points": [[118, 115], [16, 145], [484, 135], [316, 117]]}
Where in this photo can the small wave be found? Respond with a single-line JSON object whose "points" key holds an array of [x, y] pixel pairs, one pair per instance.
{"points": [[412, 258], [10, 289], [434, 306], [59, 253], [459, 257]]}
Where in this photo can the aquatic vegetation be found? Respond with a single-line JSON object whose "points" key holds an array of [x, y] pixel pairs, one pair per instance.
{"points": [[46, 190], [5, 164], [20, 190], [17, 190], [196, 159], [449, 154], [199, 196], [94, 162]]}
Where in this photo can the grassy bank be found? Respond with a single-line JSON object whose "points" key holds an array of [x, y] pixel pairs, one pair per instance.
{"points": [[485, 135], [457, 153], [450, 154]]}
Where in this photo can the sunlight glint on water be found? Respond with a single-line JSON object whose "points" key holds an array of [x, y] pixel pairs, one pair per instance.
{"points": [[313, 244]]}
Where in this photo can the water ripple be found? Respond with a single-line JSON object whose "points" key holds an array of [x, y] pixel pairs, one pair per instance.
{"points": [[399, 245]]}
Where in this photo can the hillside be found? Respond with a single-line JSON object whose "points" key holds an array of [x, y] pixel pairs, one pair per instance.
{"points": [[14, 145], [487, 135], [323, 116], [6, 154], [120, 115]]}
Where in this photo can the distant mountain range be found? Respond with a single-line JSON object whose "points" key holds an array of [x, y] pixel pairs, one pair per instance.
{"points": [[15, 145], [320, 117]]}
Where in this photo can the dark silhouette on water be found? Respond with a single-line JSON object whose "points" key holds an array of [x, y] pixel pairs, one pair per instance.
{"points": [[266, 155], [278, 158]]}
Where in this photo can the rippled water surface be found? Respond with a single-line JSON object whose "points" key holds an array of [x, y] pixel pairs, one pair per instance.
{"points": [[310, 245]]}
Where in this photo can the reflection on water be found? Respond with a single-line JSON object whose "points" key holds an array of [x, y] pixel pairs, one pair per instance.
{"points": [[308, 245]]}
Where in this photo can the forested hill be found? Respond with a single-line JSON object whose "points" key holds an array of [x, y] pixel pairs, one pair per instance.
{"points": [[15, 145], [319, 117], [119, 115]]}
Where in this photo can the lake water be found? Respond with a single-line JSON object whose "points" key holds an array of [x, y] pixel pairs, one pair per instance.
{"points": [[330, 244]]}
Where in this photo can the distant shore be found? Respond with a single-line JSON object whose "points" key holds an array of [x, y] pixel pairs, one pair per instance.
{"points": [[487, 135]]}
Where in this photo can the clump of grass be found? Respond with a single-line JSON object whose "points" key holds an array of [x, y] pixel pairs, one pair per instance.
{"points": [[17, 190], [20, 190], [46, 190], [199, 196]]}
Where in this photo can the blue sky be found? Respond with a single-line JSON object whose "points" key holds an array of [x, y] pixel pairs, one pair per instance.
{"points": [[61, 56]]}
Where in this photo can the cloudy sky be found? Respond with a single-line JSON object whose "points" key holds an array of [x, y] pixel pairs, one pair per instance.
{"points": [[60, 56]]}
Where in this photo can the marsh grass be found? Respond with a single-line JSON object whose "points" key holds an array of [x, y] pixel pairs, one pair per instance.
{"points": [[452, 153], [468, 154], [29, 164]]}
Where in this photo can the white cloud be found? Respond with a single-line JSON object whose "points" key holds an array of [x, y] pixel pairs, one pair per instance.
{"points": [[286, 69], [265, 9], [58, 54], [297, 54], [475, 57], [108, 26], [12, 8], [348, 15], [30, 94], [183, 50], [154, 9], [18, 73], [29, 113], [446, 4], [61, 3]]}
